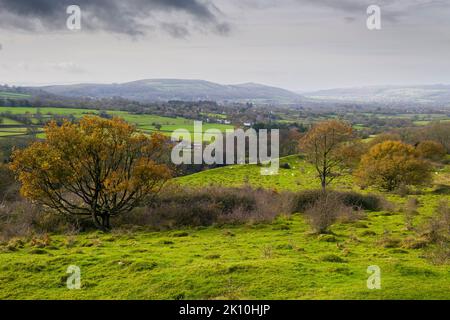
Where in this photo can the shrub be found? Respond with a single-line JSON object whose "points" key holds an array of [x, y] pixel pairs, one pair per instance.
{"points": [[390, 164], [304, 200], [176, 207], [367, 202], [23, 219], [9, 188], [410, 211], [431, 150], [325, 211], [437, 229]]}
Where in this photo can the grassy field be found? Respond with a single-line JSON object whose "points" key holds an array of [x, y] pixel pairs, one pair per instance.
{"points": [[278, 260], [144, 122], [12, 95], [264, 261]]}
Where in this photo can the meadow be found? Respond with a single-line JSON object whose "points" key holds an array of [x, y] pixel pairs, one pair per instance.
{"points": [[12, 95], [144, 122], [282, 259]]}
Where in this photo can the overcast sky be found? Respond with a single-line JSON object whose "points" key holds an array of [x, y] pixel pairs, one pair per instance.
{"points": [[295, 44]]}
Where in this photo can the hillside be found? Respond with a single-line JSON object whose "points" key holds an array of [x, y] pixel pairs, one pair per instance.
{"points": [[427, 95], [175, 89], [275, 260]]}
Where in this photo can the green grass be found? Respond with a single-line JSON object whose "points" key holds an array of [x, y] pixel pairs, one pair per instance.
{"points": [[7, 121], [281, 260], [301, 176], [144, 122], [12, 95], [4, 133], [278, 260]]}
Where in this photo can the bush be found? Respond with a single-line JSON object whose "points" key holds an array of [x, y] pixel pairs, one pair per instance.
{"points": [[438, 228], [431, 150], [304, 200], [390, 164], [176, 207], [367, 202], [23, 219], [410, 211], [9, 188], [326, 211]]}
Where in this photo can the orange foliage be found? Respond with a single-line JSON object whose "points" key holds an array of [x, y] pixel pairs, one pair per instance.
{"points": [[431, 150], [391, 164], [97, 167]]}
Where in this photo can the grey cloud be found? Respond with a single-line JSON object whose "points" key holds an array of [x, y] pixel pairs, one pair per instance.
{"points": [[392, 10], [175, 30], [123, 17]]}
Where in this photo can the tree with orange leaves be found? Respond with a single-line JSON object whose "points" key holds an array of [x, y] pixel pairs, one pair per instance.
{"points": [[322, 145], [96, 167], [392, 164]]}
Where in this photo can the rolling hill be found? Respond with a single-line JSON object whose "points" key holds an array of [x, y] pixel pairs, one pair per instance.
{"points": [[437, 95], [176, 89], [280, 259]]}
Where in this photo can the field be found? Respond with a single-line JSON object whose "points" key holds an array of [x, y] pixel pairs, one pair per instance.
{"points": [[278, 260], [301, 176], [11, 95], [144, 122]]}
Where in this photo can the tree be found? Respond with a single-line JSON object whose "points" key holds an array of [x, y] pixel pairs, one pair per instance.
{"points": [[438, 131], [390, 164], [322, 145], [351, 153], [97, 167], [379, 138], [431, 150]]}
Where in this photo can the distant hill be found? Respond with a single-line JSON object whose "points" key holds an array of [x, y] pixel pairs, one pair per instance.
{"points": [[175, 89], [438, 95], [21, 93]]}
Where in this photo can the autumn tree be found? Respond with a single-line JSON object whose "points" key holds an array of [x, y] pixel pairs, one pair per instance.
{"points": [[382, 137], [351, 153], [97, 167], [322, 145], [431, 150], [391, 164]]}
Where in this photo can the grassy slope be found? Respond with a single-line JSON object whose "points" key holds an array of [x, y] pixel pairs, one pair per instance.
{"points": [[300, 176], [279, 260]]}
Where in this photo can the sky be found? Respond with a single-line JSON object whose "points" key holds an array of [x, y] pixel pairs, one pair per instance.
{"points": [[300, 45]]}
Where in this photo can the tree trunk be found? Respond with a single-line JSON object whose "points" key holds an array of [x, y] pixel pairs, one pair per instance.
{"points": [[324, 184], [101, 221], [105, 221]]}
